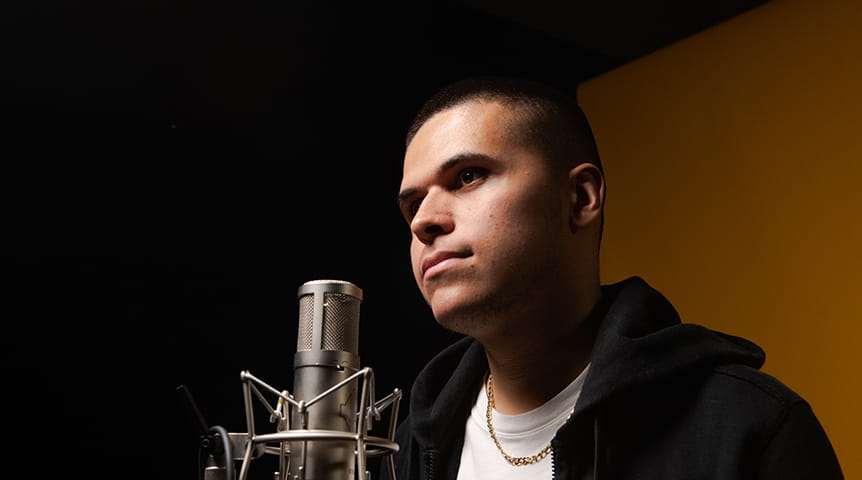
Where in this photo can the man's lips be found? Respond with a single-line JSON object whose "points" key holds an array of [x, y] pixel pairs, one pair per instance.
{"points": [[438, 259]]}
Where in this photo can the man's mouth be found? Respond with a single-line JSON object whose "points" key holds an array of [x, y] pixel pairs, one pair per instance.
{"points": [[440, 261]]}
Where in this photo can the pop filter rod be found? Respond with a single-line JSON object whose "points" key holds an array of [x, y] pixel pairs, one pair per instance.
{"points": [[248, 446]]}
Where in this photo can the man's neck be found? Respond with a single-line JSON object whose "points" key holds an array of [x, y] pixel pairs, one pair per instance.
{"points": [[532, 367]]}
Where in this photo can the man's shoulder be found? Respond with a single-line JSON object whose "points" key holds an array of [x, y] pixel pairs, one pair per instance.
{"points": [[748, 382]]}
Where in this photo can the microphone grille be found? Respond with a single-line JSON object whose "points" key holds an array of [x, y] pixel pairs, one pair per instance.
{"points": [[305, 335], [340, 321], [334, 304]]}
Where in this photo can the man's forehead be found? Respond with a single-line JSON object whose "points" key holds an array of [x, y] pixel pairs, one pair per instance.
{"points": [[472, 126]]}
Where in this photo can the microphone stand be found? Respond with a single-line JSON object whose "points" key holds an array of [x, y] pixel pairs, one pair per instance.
{"points": [[222, 449]]}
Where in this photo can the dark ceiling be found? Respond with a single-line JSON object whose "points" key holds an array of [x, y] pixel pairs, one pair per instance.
{"points": [[173, 170], [618, 30]]}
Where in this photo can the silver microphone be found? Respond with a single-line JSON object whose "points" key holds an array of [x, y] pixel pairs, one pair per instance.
{"points": [[322, 428], [326, 354]]}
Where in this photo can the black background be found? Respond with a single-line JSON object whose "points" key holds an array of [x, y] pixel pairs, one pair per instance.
{"points": [[172, 171]]}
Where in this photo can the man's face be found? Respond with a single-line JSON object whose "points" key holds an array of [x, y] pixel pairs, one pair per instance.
{"points": [[488, 217]]}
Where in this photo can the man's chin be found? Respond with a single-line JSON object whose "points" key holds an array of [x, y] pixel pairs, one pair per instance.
{"points": [[458, 309], [447, 298]]}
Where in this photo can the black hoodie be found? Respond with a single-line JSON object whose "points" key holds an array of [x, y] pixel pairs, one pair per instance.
{"points": [[662, 400]]}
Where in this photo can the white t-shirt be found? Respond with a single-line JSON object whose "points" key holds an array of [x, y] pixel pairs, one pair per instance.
{"points": [[520, 435]]}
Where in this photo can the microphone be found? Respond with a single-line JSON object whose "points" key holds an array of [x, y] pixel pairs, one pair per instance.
{"points": [[326, 354], [322, 427]]}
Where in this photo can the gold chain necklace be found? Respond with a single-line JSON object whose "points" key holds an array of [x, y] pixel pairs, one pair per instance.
{"points": [[514, 461]]}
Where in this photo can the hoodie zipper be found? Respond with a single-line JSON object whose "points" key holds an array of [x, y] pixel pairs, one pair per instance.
{"points": [[428, 464], [553, 464], [597, 459]]}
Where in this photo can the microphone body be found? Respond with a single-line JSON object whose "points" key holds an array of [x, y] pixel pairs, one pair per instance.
{"points": [[327, 353]]}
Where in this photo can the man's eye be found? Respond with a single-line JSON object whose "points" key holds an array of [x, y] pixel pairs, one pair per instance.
{"points": [[470, 175]]}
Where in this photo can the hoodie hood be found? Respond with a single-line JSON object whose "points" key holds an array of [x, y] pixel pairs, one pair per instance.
{"points": [[640, 340]]}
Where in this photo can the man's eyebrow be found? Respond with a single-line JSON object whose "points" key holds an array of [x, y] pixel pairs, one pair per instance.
{"points": [[450, 164]]}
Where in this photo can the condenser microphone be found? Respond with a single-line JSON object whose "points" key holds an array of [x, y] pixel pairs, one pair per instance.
{"points": [[322, 427], [326, 354]]}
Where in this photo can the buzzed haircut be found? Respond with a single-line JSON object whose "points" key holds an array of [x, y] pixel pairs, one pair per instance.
{"points": [[549, 119]]}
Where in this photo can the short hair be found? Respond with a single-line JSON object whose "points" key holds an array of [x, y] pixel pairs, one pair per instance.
{"points": [[550, 119]]}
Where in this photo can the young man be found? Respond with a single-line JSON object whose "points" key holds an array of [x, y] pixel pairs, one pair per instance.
{"points": [[559, 376]]}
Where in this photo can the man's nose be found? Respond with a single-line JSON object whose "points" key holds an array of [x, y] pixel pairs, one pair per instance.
{"points": [[434, 217]]}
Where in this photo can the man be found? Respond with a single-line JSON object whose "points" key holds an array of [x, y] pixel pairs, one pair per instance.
{"points": [[560, 377]]}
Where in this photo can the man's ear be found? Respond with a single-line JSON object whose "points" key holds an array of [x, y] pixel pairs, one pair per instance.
{"points": [[587, 195]]}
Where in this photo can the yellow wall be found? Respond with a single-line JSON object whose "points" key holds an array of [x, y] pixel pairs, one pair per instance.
{"points": [[734, 165]]}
